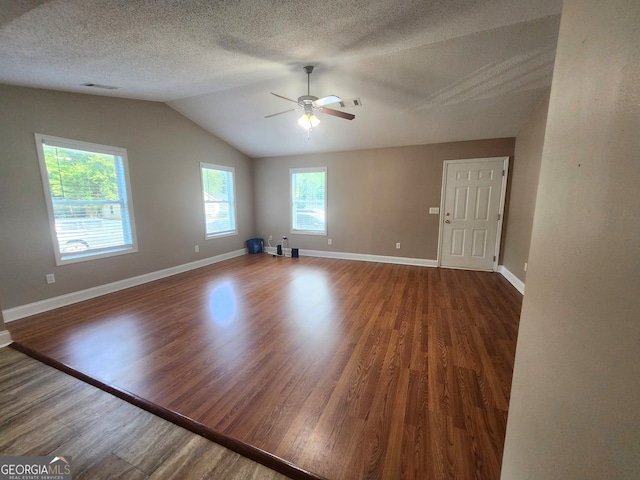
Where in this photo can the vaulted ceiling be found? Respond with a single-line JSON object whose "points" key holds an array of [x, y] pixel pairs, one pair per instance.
{"points": [[426, 71]]}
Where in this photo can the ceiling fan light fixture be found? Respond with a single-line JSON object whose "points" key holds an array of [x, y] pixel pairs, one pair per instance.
{"points": [[308, 122]]}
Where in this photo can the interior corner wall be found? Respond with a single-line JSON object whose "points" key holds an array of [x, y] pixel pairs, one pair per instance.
{"points": [[525, 171], [376, 198], [5, 335], [575, 399], [164, 153]]}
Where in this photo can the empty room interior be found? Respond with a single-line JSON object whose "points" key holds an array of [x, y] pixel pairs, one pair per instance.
{"points": [[321, 240]]}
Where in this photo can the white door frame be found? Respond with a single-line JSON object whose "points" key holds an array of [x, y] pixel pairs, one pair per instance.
{"points": [[503, 192]]}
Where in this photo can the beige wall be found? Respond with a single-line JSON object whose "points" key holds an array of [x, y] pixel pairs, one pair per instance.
{"points": [[376, 198], [523, 188], [575, 403], [164, 151]]}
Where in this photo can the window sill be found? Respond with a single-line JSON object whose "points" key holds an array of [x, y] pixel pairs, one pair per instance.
{"points": [[220, 235], [305, 232], [86, 257]]}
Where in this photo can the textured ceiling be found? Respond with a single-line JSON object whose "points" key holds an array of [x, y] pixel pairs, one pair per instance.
{"points": [[425, 71]]}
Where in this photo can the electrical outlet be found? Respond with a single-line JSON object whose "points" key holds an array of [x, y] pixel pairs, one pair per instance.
{"points": [[197, 249], [525, 266], [398, 245], [270, 237], [329, 241], [51, 278]]}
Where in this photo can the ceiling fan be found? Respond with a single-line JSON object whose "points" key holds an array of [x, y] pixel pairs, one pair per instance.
{"points": [[310, 104]]}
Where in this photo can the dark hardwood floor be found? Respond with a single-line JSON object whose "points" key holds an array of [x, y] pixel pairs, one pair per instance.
{"points": [[349, 370]]}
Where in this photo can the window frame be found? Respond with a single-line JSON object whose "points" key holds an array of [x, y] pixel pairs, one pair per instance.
{"points": [[294, 171], [233, 203], [77, 257]]}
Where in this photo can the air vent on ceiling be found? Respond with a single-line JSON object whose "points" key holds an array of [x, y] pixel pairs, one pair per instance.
{"points": [[97, 85], [356, 102]]}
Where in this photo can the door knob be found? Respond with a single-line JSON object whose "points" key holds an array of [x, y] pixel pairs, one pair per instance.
{"points": [[447, 214], [447, 221]]}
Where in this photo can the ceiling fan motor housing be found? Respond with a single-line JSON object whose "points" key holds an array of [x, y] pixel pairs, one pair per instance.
{"points": [[306, 102], [304, 99]]}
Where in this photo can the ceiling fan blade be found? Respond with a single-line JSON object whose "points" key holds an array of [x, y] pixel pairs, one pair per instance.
{"points": [[337, 113], [284, 98], [321, 102], [280, 113]]}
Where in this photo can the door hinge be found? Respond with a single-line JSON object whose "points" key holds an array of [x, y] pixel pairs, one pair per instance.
{"points": [[494, 258], [503, 173], [498, 216]]}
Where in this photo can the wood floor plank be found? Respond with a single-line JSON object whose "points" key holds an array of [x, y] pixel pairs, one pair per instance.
{"points": [[20, 437], [105, 436], [345, 369], [110, 467], [148, 451]]}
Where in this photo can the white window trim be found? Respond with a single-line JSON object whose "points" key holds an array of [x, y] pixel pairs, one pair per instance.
{"points": [[224, 168], [292, 171], [92, 147]]}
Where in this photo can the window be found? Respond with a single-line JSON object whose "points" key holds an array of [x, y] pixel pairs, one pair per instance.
{"points": [[309, 200], [88, 199], [218, 188]]}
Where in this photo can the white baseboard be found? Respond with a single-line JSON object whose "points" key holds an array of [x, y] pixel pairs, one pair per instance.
{"points": [[513, 280], [5, 338], [363, 257], [22, 311]]}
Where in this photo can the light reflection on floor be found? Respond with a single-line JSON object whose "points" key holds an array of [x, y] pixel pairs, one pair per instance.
{"points": [[223, 304], [312, 305], [107, 347], [225, 322]]}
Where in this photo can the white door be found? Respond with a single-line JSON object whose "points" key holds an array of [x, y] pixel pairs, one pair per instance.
{"points": [[471, 211]]}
